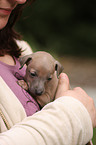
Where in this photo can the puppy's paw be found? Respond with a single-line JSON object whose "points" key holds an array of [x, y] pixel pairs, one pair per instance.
{"points": [[23, 84]]}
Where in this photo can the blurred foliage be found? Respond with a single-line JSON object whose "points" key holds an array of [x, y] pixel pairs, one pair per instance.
{"points": [[61, 26]]}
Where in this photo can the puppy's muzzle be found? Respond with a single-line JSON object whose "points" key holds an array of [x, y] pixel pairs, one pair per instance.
{"points": [[39, 92]]}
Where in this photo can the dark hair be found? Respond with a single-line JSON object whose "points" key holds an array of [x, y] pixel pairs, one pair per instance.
{"points": [[8, 35]]}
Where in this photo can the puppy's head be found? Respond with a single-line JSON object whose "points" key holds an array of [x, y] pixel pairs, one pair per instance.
{"points": [[41, 67]]}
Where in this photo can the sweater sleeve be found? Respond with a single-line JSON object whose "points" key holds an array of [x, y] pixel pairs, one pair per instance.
{"points": [[62, 122]]}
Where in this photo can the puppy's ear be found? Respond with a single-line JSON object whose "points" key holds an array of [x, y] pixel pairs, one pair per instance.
{"points": [[58, 67], [25, 60]]}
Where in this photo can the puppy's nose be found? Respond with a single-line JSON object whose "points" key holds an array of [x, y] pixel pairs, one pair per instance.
{"points": [[38, 92]]}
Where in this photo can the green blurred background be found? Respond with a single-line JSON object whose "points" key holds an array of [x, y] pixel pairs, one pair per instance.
{"points": [[61, 26], [64, 28]]}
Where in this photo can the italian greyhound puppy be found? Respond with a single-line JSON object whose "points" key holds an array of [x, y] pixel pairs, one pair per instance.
{"points": [[41, 78]]}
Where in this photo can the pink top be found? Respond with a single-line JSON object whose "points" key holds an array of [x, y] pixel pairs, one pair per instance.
{"points": [[11, 74]]}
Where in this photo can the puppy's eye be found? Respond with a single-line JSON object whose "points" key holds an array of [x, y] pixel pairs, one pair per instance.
{"points": [[33, 74], [49, 79]]}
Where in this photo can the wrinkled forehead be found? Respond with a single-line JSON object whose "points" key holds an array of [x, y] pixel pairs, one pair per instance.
{"points": [[42, 66]]}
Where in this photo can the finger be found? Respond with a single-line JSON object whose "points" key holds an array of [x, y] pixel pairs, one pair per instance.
{"points": [[94, 125], [81, 91], [63, 85], [63, 81]]}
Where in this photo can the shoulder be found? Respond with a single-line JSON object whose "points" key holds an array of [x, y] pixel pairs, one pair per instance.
{"points": [[25, 47]]}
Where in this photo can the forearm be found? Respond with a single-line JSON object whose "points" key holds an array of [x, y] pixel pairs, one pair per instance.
{"points": [[65, 121]]}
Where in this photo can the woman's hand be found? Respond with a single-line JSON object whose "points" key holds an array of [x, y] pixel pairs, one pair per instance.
{"points": [[77, 93]]}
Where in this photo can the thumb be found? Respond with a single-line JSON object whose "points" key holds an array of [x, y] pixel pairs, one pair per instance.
{"points": [[63, 85]]}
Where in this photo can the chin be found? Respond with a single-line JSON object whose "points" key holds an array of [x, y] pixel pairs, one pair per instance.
{"points": [[3, 22], [1, 27]]}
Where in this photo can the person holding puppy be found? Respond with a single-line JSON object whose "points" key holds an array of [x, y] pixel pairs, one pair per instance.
{"points": [[67, 120]]}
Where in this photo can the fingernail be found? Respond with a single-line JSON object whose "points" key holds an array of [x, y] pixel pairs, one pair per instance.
{"points": [[63, 75]]}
